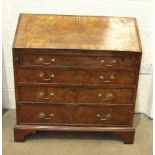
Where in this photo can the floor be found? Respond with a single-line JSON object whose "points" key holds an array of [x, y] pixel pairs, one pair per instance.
{"points": [[77, 143]]}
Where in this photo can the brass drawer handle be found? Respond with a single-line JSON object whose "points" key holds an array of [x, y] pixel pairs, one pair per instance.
{"points": [[109, 96], [107, 81], [112, 77], [42, 95], [108, 65], [102, 61], [46, 79], [101, 77], [51, 95], [46, 98], [108, 116], [99, 95], [41, 60], [106, 99], [43, 115]]}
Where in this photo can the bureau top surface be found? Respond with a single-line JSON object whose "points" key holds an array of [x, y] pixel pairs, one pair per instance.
{"points": [[77, 32]]}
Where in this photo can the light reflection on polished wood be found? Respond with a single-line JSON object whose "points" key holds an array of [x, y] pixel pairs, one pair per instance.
{"points": [[57, 31]]}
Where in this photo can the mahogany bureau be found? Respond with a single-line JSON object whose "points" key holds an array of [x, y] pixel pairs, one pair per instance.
{"points": [[76, 73]]}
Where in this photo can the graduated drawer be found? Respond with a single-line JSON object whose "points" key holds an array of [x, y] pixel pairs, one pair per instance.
{"points": [[82, 61], [76, 95], [75, 115], [76, 76]]}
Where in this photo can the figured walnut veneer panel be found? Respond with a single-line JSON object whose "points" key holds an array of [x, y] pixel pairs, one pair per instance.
{"points": [[77, 32], [52, 60], [71, 115], [76, 77], [76, 95]]}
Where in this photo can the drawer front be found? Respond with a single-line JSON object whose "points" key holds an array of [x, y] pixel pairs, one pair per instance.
{"points": [[106, 62], [82, 61], [47, 76], [106, 96], [47, 95], [72, 115], [106, 77], [76, 77], [76, 95], [47, 60]]}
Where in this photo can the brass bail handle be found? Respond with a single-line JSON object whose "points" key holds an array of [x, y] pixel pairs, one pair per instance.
{"points": [[42, 76], [42, 95], [44, 115], [109, 96], [112, 77], [41, 60], [50, 95], [108, 65], [104, 118]]}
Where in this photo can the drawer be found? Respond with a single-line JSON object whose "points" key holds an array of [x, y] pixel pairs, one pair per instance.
{"points": [[76, 95], [47, 60], [106, 95], [76, 77], [75, 115], [107, 77], [81, 61], [47, 94], [47, 76], [106, 62]]}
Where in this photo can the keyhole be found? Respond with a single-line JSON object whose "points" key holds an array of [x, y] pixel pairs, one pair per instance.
{"points": [[78, 19]]}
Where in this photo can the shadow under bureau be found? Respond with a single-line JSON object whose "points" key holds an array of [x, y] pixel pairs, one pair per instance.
{"points": [[76, 73]]}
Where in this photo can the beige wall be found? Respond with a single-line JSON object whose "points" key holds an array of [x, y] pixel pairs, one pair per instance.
{"points": [[141, 9]]}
